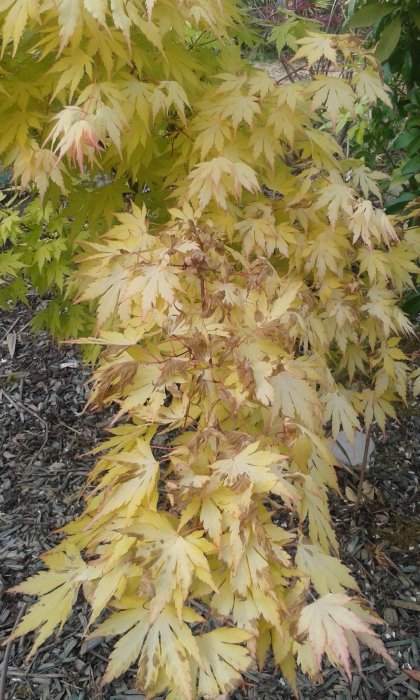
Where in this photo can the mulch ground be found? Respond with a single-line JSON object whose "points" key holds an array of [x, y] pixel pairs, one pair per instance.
{"points": [[43, 434]]}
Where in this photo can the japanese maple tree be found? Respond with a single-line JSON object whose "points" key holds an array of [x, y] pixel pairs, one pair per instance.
{"points": [[243, 280]]}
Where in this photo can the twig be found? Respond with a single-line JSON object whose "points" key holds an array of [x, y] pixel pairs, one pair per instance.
{"points": [[287, 69], [289, 75], [344, 451], [363, 470], [406, 605], [15, 322], [38, 452], [21, 407], [7, 653], [68, 427], [345, 468], [360, 565], [331, 14], [9, 330]]}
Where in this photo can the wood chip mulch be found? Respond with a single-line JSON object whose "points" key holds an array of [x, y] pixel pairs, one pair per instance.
{"points": [[42, 437]]}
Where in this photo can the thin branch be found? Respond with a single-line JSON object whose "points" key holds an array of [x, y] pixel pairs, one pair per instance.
{"points": [[7, 653], [363, 470]]}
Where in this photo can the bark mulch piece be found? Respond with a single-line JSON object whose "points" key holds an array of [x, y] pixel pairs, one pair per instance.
{"points": [[42, 436]]}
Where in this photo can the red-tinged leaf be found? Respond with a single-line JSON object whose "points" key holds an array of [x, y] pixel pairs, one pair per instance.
{"points": [[325, 624]]}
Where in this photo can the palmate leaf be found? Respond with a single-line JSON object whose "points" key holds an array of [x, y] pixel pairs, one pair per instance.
{"points": [[130, 480], [314, 507], [314, 47], [328, 622], [216, 658], [294, 397], [167, 643], [368, 85], [337, 197], [248, 612], [416, 386], [109, 289], [219, 177], [251, 463], [171, 559], [339, 409], [334, 94], [223, 660], [10, 264], [153, 282], [367, 180], [242, 108], [58, 590], [327, 574]]}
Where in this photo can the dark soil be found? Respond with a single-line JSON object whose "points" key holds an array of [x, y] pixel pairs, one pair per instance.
{"points": [[43, 434]]}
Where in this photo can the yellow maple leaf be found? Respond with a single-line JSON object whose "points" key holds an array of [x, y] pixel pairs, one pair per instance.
{"points": [[327, 574], [149, 7], [261, 84], [130, 480], [325, 252], [295, 398], [223, 660], [109, 289], [112, 582], [58, 590], [251, 463], [367, 180], [216, 177], [173, 560], [169, 94], [240, 108], [314, 46], [336, 197], [376, 405], [151, 283], [339, 409], [211, 135], [40, 166], [333, 93], [82, 134], [314, 506], [368, 85], [165, 645], [16, 20], [325, 623]]}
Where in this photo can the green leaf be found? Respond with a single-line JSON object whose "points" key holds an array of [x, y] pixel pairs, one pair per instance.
{"points": [[416, 18], [412, 167], [411, 304], [10, 263], [389, 40], [395, 205], [413, 123], [282, 35], [414, 146], [369, 14], [415, 96], [404, 139]]}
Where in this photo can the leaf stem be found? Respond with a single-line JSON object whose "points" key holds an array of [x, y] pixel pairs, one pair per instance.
{"points": [[363, 470]]}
